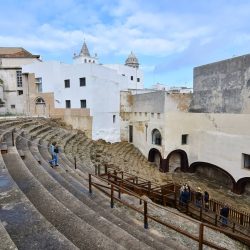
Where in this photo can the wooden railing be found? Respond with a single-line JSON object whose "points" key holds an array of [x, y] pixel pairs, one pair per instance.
{"points": [[168, 194], [115, 192]]}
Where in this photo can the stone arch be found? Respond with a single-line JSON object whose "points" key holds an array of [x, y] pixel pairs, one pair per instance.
{"points": [[242, 185], [180, 158], [214, 172], [154, 155], [40, 106], [156, 137]]}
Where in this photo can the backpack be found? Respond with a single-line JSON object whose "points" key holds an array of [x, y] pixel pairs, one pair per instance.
{"points": [[56, 150]]}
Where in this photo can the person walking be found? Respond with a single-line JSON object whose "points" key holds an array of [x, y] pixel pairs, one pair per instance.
{"points": [[54, 160]]}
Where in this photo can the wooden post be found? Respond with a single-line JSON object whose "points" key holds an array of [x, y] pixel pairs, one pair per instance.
{"points": [[145, 215], [13, 141], [175, 199], [90, 186], [216, 219], [122, 174], [149, 187], [112, 196], [119, 191], [75, 161], [95, 170], [201, 236], [241, 218], [99, 170], [106, 169], [234, 227]]}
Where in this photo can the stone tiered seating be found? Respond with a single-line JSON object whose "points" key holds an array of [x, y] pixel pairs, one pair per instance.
{"points": [[56, 202], [27, 228]]}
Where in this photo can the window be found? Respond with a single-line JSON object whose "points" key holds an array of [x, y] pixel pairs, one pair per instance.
{"points": [[140, 113], [131, 78], [82, 81], [246, 161], [67, 83], [152, 115], [156, 137], [85, 60], [184, 139], [68, 104], [138, 79], [146, 114], [40, 100], [113, 118], [19, 78], [83, 103], [39, 84], [158, 115], [12, 106], [20, 92]]}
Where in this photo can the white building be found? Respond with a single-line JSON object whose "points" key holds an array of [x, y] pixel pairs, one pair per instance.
{"points": [[12, 60], [87, 84]]}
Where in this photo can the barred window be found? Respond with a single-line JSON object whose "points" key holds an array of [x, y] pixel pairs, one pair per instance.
{"points": [[19, 78]]}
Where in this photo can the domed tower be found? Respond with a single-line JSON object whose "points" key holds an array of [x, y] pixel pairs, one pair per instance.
{"points": [[84, 56], [132, 61]]}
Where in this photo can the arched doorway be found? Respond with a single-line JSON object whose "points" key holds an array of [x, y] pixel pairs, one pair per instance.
{"points": [[40, 106], [156, 137], [177, 160], [154, 155], [242, 186], [213, 172]]}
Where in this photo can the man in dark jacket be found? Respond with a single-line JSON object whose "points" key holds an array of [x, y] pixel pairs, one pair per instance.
{"points": [[224, 212]]}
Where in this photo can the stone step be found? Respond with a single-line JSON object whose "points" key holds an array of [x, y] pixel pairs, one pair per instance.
{"points": [[100, 204], [27, 228], [58, 215], [6, 241], [78, 208]]}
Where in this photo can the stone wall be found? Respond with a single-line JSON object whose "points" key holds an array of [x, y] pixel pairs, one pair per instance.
{"points": [[222, 87]]}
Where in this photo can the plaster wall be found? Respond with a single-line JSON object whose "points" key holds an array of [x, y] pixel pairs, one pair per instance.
{"points": [[222, 87], [102, 92]]}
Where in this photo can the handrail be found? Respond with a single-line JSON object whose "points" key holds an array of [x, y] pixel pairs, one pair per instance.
{"points": [[238, 216], [199, 239]]}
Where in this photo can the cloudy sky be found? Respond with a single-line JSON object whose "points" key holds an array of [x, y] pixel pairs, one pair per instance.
{"points": [[169, 37]]}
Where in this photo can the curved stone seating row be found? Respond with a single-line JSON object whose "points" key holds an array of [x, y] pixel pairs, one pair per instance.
{"points": [[6, 241], [81, 210], [25, 225], [101, 206], [106, 206], [55, 212]]}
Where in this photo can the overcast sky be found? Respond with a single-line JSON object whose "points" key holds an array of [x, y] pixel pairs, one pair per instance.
{"points": [[169, 37]]}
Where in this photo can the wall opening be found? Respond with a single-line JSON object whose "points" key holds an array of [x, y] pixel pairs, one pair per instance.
{"points": [[156, 137], [130, 133], [246, 161]]}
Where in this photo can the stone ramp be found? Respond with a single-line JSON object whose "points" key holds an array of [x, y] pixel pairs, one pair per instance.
{"points": [[80, 234], [77, 207]]}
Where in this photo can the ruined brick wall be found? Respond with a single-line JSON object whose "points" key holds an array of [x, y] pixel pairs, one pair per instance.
{"points": [[222, 87]]}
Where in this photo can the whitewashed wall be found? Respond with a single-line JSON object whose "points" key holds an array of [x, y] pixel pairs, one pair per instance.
{"points": [[102, 92]]}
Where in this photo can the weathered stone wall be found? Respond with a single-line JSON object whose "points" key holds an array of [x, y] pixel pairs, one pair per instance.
{"points": [[222, 87]]}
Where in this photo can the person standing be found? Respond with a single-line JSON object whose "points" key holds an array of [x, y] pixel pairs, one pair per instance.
{"points": [[224, 212], [198, 198], [206, 200]]}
